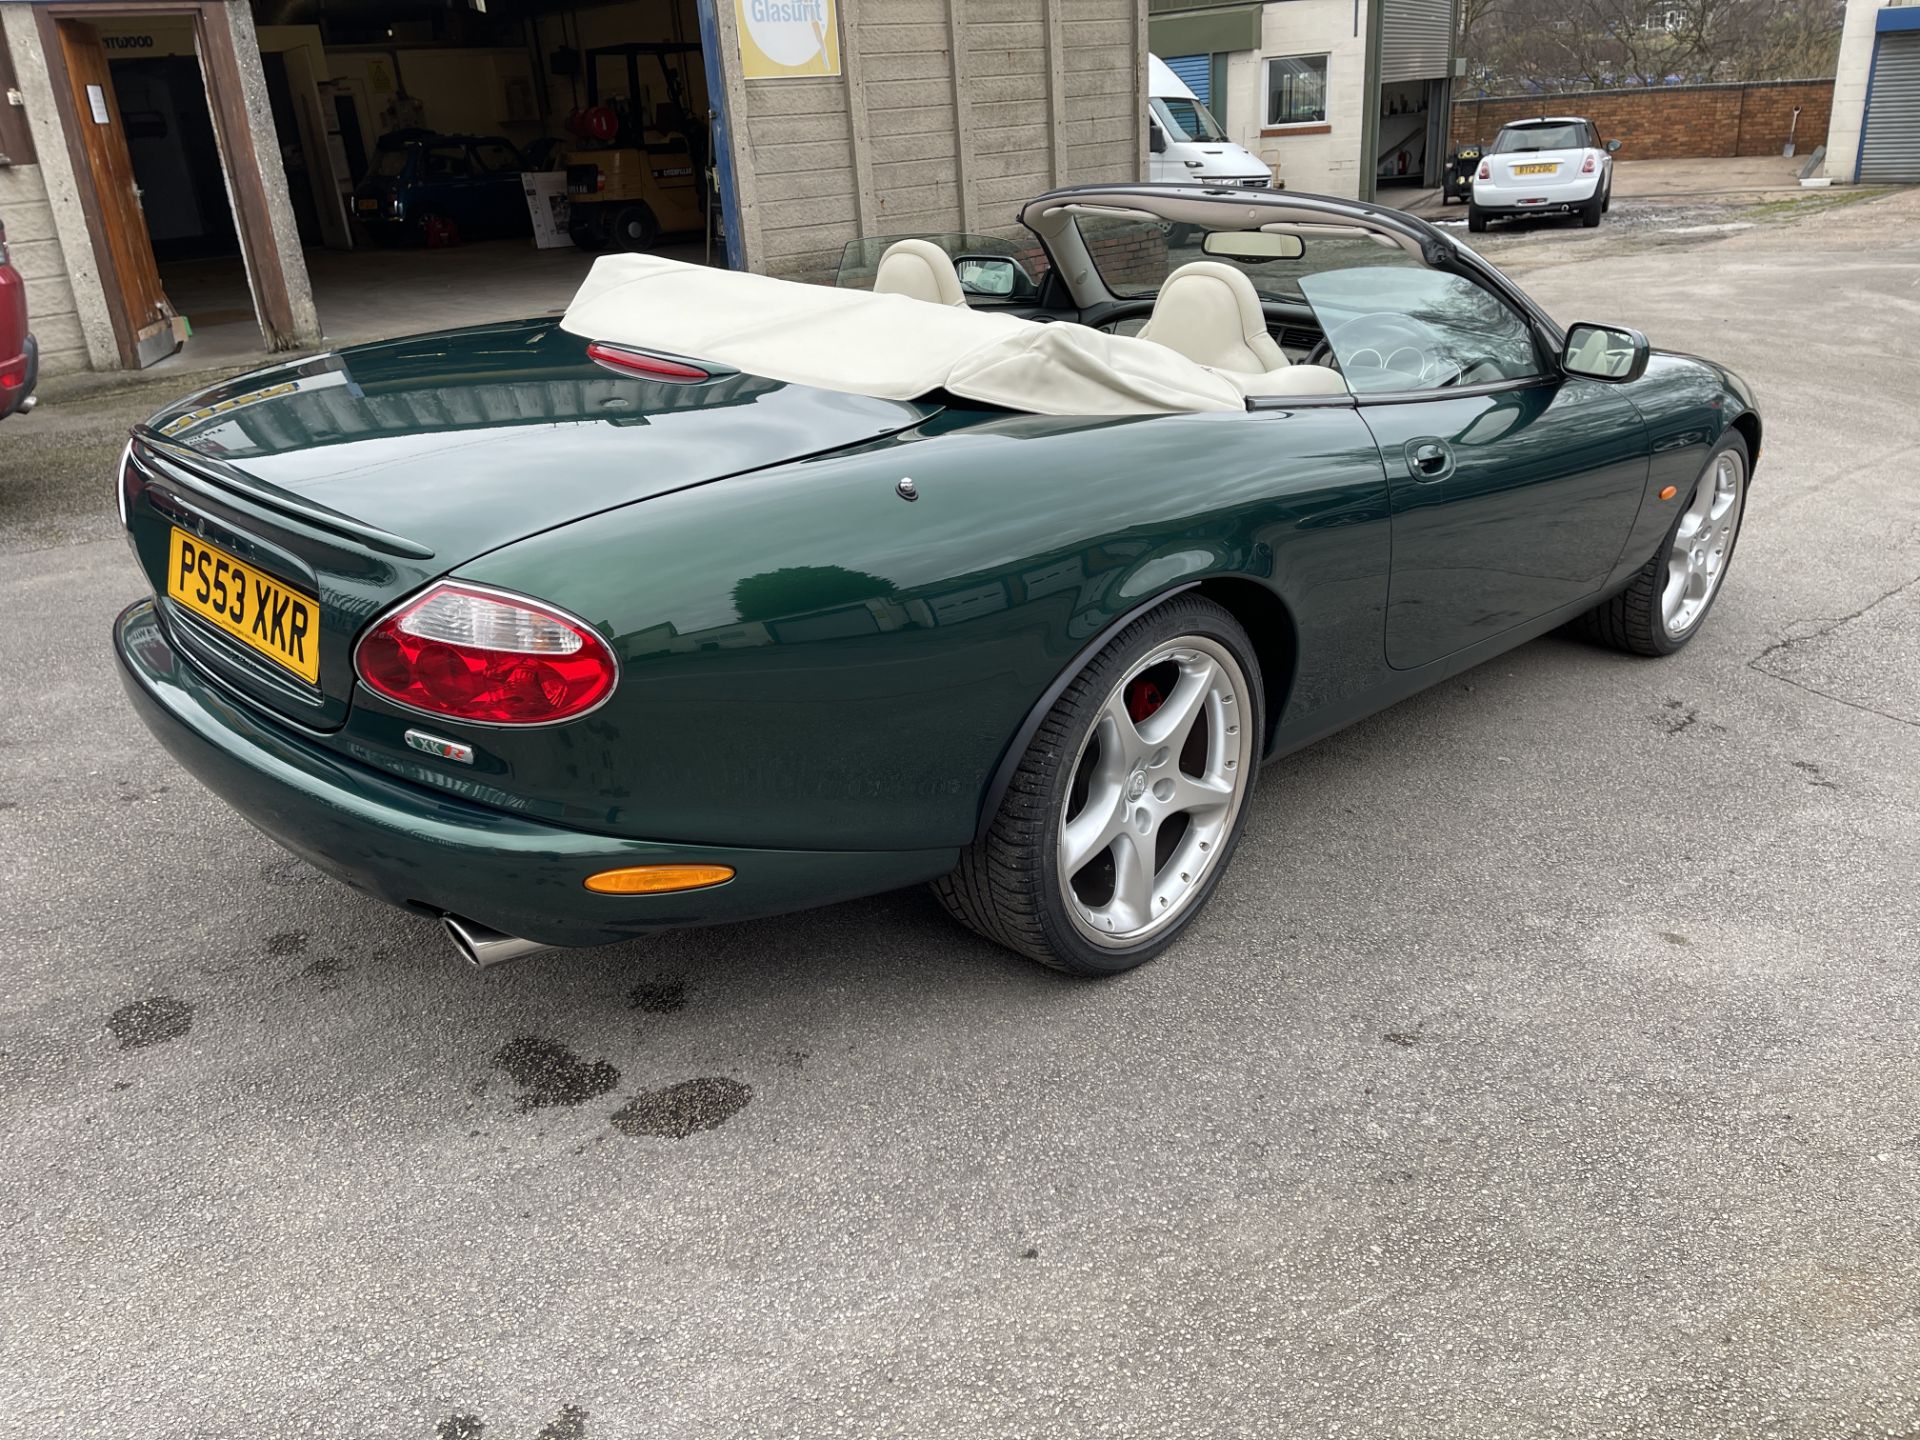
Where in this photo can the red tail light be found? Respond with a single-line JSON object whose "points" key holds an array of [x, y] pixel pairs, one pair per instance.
{"points": [[486, 656], [1586, 166], [1486, 170], [636, 362]]}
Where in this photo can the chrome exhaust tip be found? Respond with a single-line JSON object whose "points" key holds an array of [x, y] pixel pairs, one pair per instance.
{"points": [[481, 947]]}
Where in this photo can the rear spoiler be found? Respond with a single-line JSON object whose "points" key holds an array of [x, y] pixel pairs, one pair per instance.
{"points": [[205, 475]]}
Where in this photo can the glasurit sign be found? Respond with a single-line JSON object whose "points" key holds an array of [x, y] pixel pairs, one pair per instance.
{"points": [[787, 39]]}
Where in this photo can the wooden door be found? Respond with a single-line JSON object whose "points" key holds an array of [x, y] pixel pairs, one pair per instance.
{"points": [[123, 224]]}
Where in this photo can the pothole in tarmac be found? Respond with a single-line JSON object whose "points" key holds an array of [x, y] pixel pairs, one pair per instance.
{"points": [[705, 1103]]}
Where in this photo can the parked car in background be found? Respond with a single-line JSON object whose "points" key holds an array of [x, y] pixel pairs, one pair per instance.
{"points": [[1188, 146], [1549, 166], [428, 189], [19, 356]]}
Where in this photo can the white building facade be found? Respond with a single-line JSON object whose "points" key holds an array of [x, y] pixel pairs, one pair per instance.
{"points": [[1874, 138], [1339, 97]]}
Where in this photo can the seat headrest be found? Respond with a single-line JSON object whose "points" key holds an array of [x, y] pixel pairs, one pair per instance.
{"points": [[1211, 313], [919, 269]]}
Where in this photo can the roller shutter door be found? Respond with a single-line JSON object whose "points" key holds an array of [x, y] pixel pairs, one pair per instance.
{"points": [[1196, 73], [1890, 148]]}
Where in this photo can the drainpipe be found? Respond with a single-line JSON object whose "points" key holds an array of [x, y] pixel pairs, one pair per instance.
{"points": [[1370, 101]]}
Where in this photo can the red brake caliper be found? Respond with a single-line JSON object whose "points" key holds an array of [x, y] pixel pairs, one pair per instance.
{"points": [[1143, 698]]}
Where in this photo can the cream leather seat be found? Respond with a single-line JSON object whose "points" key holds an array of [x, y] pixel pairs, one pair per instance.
{"points": [[1211, 314], [921, 270]]}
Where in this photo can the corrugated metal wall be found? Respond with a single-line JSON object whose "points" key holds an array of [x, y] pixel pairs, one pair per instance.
{"points": [[1196, 71], [1416, 39], [949, 114], [1890, 148]]}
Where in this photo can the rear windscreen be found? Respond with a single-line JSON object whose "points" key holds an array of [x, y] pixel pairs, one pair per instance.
{"points": [[1521, 138]]}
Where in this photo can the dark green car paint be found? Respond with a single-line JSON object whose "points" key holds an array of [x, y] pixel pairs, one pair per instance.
{"points": [[459, 442], [450, 843], [820, 679]]}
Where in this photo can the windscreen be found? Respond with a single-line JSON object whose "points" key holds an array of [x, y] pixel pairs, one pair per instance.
{"points": [[1135, 254], [1186, 119]]}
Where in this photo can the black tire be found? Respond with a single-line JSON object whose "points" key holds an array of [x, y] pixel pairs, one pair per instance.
{"points": [[585, 235], [1008, 886], [1606, 197], [1590, 212], [1476, 218], [1634, 620], [635, 228]]}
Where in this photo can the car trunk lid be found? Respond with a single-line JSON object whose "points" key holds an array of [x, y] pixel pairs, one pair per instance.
{"points": [[349, 480]]}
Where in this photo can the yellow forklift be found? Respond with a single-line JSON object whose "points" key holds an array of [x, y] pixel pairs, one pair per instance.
{"points": [[641, 169]]}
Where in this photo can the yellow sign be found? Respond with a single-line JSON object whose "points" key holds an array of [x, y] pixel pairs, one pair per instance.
{"points": [[787, 39]]}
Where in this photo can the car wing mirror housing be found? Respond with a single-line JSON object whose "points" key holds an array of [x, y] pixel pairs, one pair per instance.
{"points": [[1156, 140], [1605, 352], [1612, 146]]}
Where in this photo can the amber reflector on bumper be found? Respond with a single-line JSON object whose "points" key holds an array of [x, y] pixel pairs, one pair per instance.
{"points": [[658, 879]]}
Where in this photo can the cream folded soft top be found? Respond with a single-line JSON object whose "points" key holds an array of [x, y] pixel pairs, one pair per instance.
{"points": [[898, 348]]}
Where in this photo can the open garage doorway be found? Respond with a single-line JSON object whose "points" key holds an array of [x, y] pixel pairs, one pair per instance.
{"points": [[467, 162]]}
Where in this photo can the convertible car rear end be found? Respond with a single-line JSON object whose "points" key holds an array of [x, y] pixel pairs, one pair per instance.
{"points": [[727, 597]]}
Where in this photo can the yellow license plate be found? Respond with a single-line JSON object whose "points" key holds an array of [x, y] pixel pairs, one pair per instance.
{"points": [[259, 612], [367, 207], [1535, 169]]}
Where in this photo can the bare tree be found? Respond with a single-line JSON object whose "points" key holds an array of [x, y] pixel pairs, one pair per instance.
{"points": [[1522, 45]]}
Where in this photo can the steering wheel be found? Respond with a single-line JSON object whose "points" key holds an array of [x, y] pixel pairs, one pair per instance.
{"points": [[1388, 342]]}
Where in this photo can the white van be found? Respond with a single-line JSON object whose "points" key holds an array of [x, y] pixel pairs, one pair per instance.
{"points": [[1186, 145]]}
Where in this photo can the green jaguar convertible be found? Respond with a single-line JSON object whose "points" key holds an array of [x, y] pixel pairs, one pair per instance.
{"points": [[1002, 565]]}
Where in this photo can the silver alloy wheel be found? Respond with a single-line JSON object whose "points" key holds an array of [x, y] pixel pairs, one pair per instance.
{"points": [[1152, 802], [1701, 545]]}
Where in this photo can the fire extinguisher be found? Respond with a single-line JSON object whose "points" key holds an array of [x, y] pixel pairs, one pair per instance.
{"points": [[1403, 163]]}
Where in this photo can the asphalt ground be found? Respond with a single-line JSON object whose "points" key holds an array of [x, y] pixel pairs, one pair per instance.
{"points": [[1544, 1067]]}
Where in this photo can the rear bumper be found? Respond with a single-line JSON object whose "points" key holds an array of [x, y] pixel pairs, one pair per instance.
{"points": [[13, 397], [1561, 198], [438, 853]]}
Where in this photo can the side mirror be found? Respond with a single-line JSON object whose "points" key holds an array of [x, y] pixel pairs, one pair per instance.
{"points": [[1612, 145], [997, 277], [1605, 352], [1156, 140]]}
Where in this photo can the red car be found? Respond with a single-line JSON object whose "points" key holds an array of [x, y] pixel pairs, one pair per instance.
{"points": [[19, 356]]}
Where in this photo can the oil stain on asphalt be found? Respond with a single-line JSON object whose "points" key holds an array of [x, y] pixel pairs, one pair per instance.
{"points": [[548, 1073], [569, 1424], [676, 1112], [150, 1021], [659, 997]]}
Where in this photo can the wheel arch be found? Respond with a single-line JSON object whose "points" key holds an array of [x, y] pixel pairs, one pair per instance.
{"points": [[1261, 613], [1747, 422]]}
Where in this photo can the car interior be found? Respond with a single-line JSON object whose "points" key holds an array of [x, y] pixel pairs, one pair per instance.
{"points": [[1338, 307]]}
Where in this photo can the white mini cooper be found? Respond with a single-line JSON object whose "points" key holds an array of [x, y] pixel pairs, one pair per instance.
{"points": [[1549, 166]]}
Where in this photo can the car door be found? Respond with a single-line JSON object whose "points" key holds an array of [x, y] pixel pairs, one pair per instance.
{"points": [[1513, 486], [497, 166], [448, 170]]}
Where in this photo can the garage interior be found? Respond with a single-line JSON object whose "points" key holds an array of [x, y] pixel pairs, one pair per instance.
{"points": [[520, 85]]}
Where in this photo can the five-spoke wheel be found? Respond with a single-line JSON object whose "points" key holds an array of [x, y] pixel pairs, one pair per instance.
{"points": [[1662, 607], [1155, 789], [1126, 806], [1702, 542]]}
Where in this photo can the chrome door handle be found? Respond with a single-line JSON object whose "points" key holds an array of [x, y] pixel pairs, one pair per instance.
{"points": [[1429, 458]]}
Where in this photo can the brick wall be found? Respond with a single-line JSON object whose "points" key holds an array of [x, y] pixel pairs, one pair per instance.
{"points": [[1672, 123]]}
